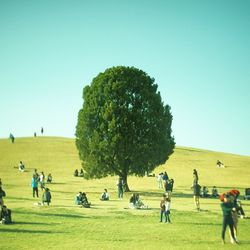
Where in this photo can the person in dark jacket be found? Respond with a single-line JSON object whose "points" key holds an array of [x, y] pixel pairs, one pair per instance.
{"points": [[46, 197], [2, 194], [5, 215], [227, 207], [197, 192]]}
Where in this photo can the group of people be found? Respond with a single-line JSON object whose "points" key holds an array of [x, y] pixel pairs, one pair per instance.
{"points": [[231, 209], [136, 203], [12, 138], [205, 192], [5, 213], [40, 179], [81, 199], [78, 174], [165, 182]]}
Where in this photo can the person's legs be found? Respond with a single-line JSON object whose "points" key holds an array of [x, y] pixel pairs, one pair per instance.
{"points": [[36, 189], [167, 217], [224, 226], [162, 212], [33, 192]]}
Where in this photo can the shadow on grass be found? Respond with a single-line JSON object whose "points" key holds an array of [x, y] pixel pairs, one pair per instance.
{"points": [[201, 223], [52, 214], [32, 223], [20, 198], [182, 195], [15, 230]]}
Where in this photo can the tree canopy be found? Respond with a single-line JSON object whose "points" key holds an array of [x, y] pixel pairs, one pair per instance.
{"points": [[123, 127]]}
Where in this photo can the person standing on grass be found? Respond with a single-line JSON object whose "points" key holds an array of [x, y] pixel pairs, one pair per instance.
{"points": [[159, 180], [195, 177], [167, 209], [163, 207], [46, 197], [227, 207], [197, 192], [120, 188], [34, 184], [12, 138], [42, 130]]}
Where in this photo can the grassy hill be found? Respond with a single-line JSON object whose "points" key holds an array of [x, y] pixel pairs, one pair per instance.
{"points": [[108, 225]]}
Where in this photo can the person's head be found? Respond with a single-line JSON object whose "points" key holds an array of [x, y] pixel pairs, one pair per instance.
{"points": [[4, 208], [227, 198], [105, 190], [164, 196]]}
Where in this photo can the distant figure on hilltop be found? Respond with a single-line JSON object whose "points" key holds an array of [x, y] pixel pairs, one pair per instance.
{"points": [[12, 138], [34, 134], [219, 164], [42, 130]]}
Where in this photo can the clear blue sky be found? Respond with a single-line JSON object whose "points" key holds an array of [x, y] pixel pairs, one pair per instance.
{"points": [[198, 52]]}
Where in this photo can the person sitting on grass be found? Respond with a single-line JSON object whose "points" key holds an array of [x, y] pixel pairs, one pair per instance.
{"points": [[49, 178], [85, 202], [219, 164], [21, 166], [2, 194], [215, 192], [205, 192], [5, 215], [105, 195], [46, 197], [76, 173], [136, 203], [81, 173], [78, 200]]}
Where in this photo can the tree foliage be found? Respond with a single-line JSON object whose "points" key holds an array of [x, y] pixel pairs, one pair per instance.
{"points": [[123, 127]]}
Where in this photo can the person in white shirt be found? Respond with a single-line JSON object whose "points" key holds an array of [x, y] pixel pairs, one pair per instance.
{"points": [[167, 209], [105, 195]]}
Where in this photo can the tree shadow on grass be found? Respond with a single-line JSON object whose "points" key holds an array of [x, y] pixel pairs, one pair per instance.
{"points": [[52, 214], [182, 195], [32, 223], [15, 230], [20, 198], [148, 193], [201, 223]]}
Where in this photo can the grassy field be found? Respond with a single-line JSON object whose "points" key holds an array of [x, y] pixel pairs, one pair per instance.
{"points": [[110, 225]]}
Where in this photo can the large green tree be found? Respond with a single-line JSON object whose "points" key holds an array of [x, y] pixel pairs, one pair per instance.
{"points": [[123, 127]]}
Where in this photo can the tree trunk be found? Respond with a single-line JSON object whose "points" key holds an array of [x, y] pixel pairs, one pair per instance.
{"points": [[125, 184]]}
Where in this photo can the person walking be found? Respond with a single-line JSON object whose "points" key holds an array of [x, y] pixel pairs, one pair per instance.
{"points": [[227, 207]]}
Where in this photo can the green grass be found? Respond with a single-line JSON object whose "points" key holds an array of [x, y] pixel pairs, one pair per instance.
{"points": [[110, 225]]}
